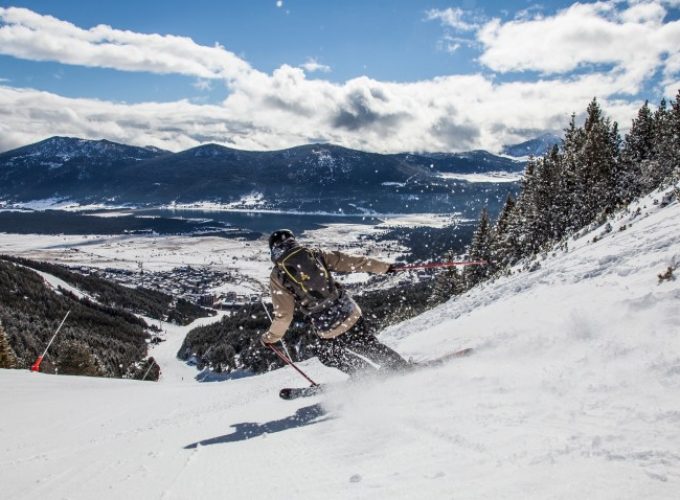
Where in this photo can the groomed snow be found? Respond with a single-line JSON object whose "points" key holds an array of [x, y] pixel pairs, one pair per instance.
{"points": [[572, 393]]}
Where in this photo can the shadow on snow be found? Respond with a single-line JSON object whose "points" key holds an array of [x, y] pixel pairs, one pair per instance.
{"points": [[242, 432]]}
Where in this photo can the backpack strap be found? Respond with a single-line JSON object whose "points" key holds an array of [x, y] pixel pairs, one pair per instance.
{"points": [[316, 254]]}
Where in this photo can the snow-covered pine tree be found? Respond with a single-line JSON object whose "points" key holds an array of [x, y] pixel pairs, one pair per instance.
{"points": [[480, 249], [638, 154], [447, 283], [522, 223], [619, 169], [503, 247], [76, 358], [667, 155], [545, 197], [8, 358], [571, 193], [674, 124], [597, 164]]}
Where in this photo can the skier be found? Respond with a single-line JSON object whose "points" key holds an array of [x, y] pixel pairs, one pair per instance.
{"points": [[302, 277]]}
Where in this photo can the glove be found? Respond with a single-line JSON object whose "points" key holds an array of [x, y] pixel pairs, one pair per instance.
{"points": [[266, 341]]}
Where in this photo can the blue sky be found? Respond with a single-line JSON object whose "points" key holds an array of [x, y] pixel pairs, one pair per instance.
{"points": [[386, 40], [382, 75]]}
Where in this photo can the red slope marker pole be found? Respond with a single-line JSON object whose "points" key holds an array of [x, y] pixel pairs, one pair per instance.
{"points": [[432, 265], [36, 366]]}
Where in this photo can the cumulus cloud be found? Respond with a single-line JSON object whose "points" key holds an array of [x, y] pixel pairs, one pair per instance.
{"points": [[285, 108], [453, 17], [312, 65], [444, 114], [630, 39], [28, 35]]}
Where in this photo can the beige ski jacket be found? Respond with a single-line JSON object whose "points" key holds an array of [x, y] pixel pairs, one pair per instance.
{"points": [[284, 301]]}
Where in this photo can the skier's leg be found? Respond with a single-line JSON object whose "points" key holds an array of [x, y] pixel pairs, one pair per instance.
{"points": [[332, 353], [362, 341]]}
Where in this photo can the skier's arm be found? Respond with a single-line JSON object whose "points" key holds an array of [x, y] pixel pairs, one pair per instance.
{"points": [[345, 263], [284, 307]]}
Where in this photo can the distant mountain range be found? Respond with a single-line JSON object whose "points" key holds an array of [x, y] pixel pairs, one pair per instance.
{"points": [[303, 178], [534, 147]]}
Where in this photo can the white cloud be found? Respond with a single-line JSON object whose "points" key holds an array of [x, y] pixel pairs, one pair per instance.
{"points": [[28, 35], [444, 114], [279, 3], [533, 11], [632, 39], [202, 85], [450, 43], [284, 109], [452, 17], [312, 65]]}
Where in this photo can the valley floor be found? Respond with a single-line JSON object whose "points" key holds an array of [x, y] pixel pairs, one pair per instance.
{"points": [[247, 261]]}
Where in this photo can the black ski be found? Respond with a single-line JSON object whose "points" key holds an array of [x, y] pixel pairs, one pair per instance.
{"points": [[301, 392]]}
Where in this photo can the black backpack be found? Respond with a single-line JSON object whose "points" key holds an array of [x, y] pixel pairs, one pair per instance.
{"points": [[305, 274]]}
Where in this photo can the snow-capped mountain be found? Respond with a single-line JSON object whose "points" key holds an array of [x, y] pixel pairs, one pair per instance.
{"points": [[57, 152], [535, 147], [314, 177], [571, 393]]}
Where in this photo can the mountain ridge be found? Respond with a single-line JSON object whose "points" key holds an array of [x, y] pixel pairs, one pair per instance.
{"points": [[307, 177]]}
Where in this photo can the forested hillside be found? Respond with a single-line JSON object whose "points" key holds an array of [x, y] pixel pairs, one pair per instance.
{"points": [[590, 175], [96, 340], [144, 301]]}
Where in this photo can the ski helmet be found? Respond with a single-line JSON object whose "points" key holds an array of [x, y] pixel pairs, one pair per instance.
{"points": [[278, 237]]}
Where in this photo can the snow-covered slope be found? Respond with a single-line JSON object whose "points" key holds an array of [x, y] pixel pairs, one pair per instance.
{"points": [[573, 393]]}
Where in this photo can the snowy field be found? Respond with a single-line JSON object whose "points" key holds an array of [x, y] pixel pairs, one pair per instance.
{"points": [[573, 392], [494, 177]]}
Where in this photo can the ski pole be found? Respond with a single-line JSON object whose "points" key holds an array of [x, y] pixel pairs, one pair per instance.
{"points": [[289, 362], [285, 348], [36, 366], [266, 310], [432, 265]]}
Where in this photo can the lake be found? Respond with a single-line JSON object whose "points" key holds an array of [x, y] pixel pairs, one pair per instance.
{"points": [[263, 222]]}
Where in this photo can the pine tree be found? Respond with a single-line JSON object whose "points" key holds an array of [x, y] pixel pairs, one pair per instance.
{"points": [[447, 283], [8, 358], [664, 152], [501, 226], [502, 247], [674, 137], [571, 193], [75, 358], [480, 249], [596, 164], [524, 226], [638, 153], [545, 197]]}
